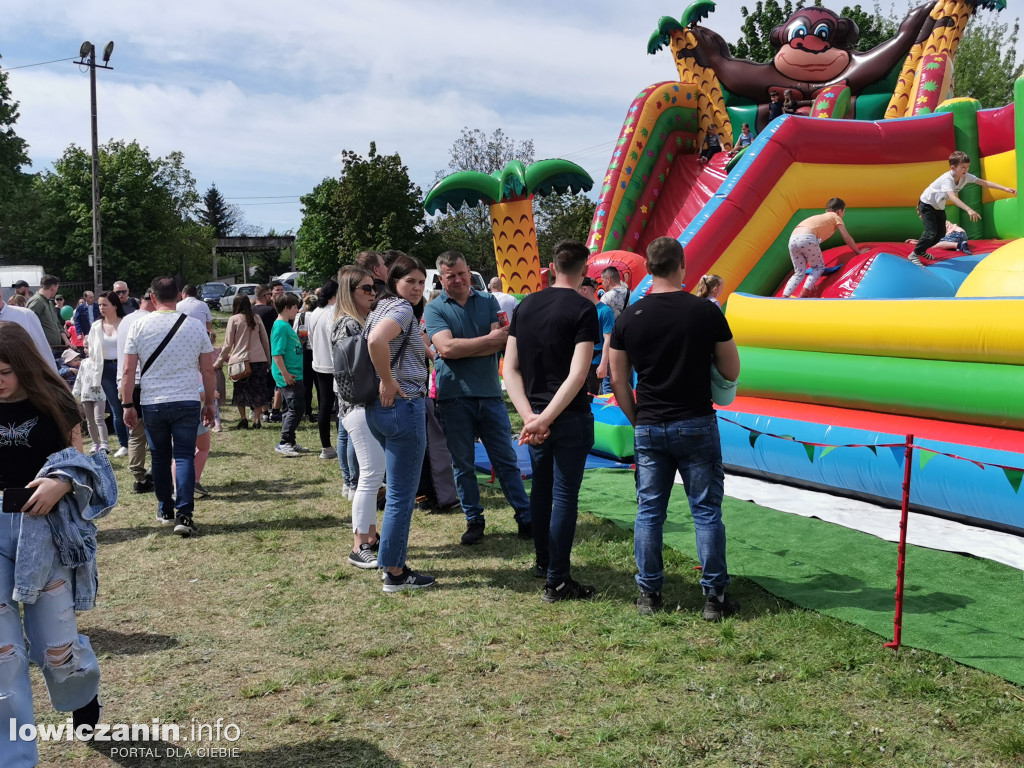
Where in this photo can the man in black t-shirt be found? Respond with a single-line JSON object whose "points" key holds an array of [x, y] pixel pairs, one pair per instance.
{"points": [[547, 358], [671, 338]]}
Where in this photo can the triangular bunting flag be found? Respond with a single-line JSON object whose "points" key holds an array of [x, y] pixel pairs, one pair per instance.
{"points": [[925, 456], [754, 434], [1014, 476], [810, 451], [897, 453], [826, 451]]}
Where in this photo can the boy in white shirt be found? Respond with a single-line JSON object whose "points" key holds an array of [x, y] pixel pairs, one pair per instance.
{"points": [[932, 205]]}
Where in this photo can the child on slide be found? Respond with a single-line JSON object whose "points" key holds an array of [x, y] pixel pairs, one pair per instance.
{"points": [[932, 205], [711, 146], [805, 246]]}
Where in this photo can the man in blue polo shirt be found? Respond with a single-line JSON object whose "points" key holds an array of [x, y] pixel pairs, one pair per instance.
{"points": [[463, 326]]}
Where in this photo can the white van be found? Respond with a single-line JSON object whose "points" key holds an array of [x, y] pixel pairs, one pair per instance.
{"points": [[9, 275], [434, 281]]}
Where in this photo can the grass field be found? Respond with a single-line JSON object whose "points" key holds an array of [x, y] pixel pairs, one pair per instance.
{"points": [[261, 623]]}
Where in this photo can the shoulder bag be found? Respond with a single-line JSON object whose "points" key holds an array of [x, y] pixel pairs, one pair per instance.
{"points": [[241, 370], [137, 393]]}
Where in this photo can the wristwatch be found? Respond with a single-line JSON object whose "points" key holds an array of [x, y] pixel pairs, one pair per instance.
{"points": [[127, 405]]}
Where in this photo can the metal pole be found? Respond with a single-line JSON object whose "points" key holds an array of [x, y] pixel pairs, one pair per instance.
{"points": [[97, 238], [901, 560]]}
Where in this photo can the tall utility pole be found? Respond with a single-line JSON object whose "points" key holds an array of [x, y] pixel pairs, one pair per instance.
{"points": [[88, 49]]}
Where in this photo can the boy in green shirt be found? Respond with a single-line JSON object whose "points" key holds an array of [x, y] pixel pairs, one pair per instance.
{"points": [[286, 350]]}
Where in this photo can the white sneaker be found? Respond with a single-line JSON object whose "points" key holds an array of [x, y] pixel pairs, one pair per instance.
{"points": [[103, 447], [95, 448], [122, 451], [348, 492], [288, 451], [328, 453]]}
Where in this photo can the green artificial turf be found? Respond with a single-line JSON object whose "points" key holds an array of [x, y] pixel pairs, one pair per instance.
{"points": [[963, 607]]}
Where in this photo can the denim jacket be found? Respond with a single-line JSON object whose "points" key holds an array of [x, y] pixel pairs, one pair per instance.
{"points": [[67, 534]]}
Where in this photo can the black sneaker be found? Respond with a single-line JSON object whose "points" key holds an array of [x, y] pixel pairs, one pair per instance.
{"points": [[566, 590], [165, 519], [257, 425], [539, 571], [363, 557], [143, 486], [526, 531], [184, 526], [242, 424], [407, 579], [200, 491], [648, 603], [716, 609], [474, 532], [87, 715]]}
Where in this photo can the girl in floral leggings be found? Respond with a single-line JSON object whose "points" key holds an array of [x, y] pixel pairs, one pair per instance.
{"points": [[805, 246]]}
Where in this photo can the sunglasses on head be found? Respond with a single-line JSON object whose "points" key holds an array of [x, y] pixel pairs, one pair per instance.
{"points": [[369, 290]]}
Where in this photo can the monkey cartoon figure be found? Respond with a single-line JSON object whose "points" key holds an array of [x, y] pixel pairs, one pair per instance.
{"points": [[815, 51]]}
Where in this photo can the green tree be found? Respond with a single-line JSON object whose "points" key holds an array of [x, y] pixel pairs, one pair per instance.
{"points": [[215, 213], [148, 211], [875, 27], [468, 230], [17, 203], [986, 63], [373, 205], [755, 33], [562, 217]]}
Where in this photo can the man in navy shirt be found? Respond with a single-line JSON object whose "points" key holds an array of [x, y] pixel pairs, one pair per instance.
{"points": [[463, 326]]}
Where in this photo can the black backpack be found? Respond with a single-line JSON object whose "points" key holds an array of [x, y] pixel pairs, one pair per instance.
{"points": [[354, 373]]}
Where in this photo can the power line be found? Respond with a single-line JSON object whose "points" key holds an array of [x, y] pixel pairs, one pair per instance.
{"points": [[39, 64], [264, 197]]}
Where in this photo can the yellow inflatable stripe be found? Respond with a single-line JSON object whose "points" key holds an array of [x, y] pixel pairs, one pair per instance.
{"points": [[1002, 169], [982, 331]]}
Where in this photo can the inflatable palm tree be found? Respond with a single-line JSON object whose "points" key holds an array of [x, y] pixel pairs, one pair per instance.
{"points": [[509, 193]]}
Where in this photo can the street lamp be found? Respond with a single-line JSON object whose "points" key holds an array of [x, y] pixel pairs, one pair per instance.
{"points": [[87, 54]]}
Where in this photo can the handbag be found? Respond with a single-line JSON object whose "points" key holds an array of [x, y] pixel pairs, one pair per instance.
{"points": [[240, 370], [354, 372]]}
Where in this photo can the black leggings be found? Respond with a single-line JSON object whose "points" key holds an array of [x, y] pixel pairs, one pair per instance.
{"points": [[934, 227], [307, 376], [325, 386]]}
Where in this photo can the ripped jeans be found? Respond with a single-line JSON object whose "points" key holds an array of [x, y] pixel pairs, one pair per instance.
{"points": [[70, 668]]}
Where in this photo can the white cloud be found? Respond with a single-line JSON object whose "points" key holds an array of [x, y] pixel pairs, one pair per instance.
{"points": [[261, 98]]}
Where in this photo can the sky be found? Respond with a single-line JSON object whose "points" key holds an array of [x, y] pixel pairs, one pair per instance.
{"points": [[262, 97]]}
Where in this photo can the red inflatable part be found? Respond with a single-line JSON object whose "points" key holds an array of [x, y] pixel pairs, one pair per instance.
{"points": [[995, 131], [686, 190], [632, 266]]}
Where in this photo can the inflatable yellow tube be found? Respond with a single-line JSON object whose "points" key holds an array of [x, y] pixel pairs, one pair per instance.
{"points": [[982, 331], [1001, 273], [1002, 169]]}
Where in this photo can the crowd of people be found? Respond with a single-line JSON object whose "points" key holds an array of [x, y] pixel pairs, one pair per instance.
{"points": [[414, 384]]}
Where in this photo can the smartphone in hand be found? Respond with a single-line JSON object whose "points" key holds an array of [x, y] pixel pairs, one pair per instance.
{"points": [[16, 498]]}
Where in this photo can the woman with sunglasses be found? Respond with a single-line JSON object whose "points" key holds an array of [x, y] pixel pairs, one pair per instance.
{"points": [[355, 297], [102, 348], [398, 418]]}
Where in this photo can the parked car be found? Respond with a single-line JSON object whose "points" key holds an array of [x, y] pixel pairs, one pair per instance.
{"points": [[241, 289], [434, 281], [211, 293]]}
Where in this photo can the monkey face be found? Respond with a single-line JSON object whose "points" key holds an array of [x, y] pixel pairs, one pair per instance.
{"points": [[810, 47]]}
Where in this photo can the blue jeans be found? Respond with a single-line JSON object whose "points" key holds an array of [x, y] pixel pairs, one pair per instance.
{"points": [[465, 418], [72, 677], [347, 457], [109, 383], [558, 465], [692, 447], [171, 430], [606, 385], [401, 429], [294, 401]]}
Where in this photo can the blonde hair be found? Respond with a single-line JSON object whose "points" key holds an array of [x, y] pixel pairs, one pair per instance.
{"points": [[707, 285], [348, 278]]}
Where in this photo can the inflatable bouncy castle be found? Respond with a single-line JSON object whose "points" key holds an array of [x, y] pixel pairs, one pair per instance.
{"points": [[890, 348]]}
